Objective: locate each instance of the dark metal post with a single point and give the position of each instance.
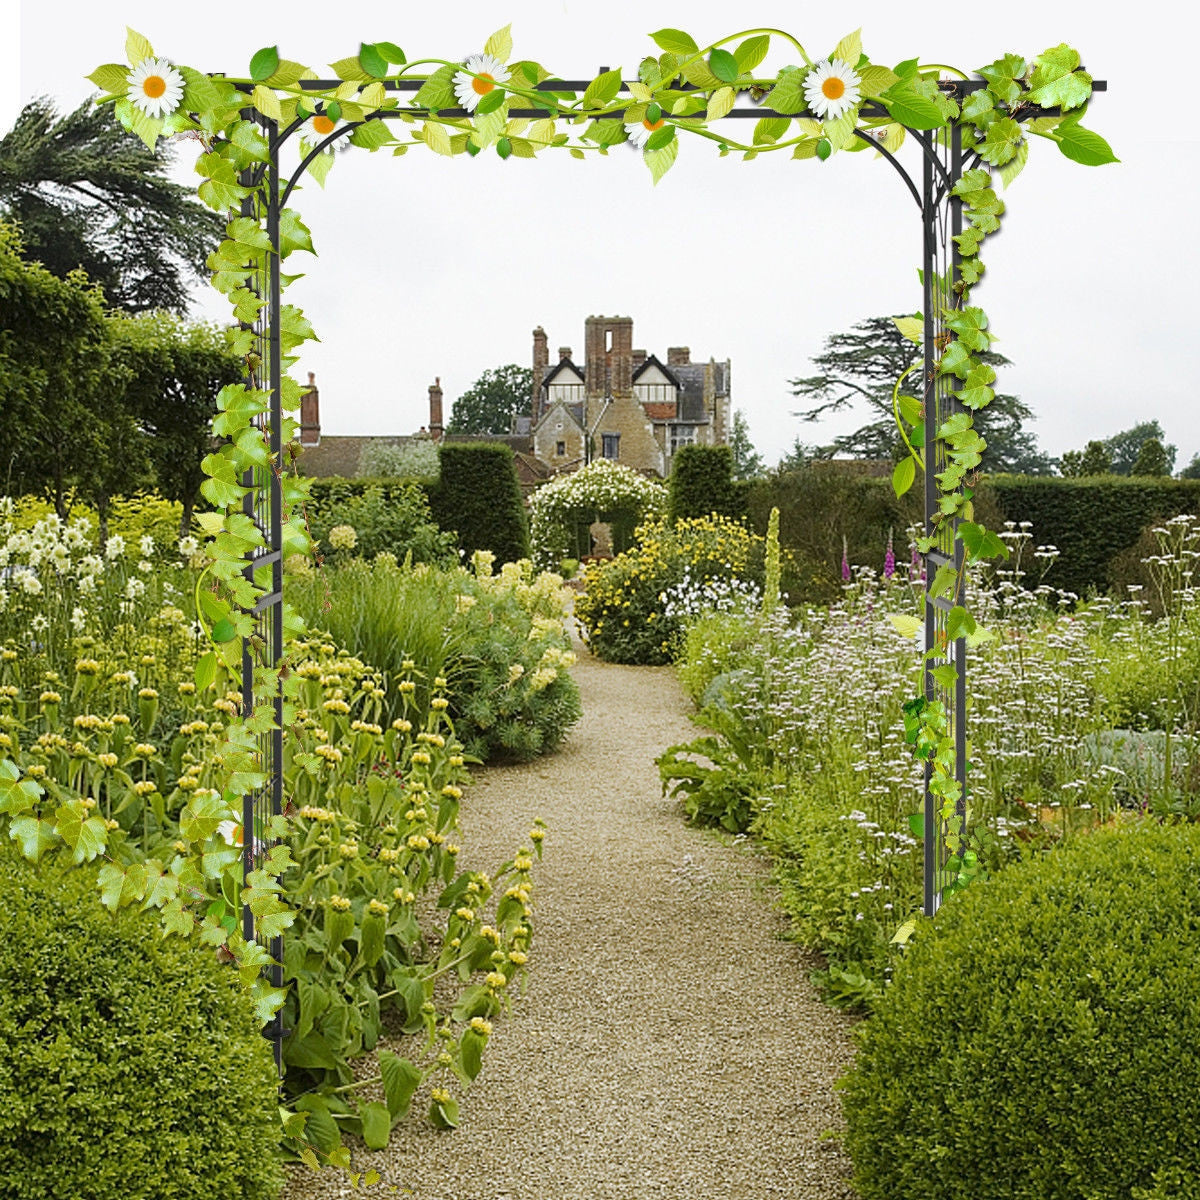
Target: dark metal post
(941, 215)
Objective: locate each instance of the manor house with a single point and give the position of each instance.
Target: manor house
(622, 404)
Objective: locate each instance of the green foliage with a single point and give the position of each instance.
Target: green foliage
(702, 482)
(1090, 521)
(1126, 445)
(493, 402)
(132, 1067)
(747, 462)
(860, 367)
(387, 517)
(479, 498)
(1078, 1009)
(1152, 460)
(88, 195)
(636, 608)
(1192, 470)
(417, 460)
(498, 640)
(1094, 459)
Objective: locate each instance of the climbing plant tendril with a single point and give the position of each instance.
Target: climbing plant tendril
(383, 101)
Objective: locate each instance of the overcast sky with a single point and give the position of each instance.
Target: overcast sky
(434, 267)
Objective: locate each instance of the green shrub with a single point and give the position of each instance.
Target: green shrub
(1039, 1043)
(1090, 521)
(131, 1067)
(391, 516)
(479, 497)
(702, 482)
(636, 607)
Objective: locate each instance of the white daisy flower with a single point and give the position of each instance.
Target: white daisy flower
(230, 832)
(486, 73)
(155, 87)
(639, 131)
(831, 89)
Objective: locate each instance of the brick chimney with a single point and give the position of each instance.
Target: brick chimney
(541, 360)
(564, 352)
(639, 357)
(678, 356)
(310, 414)
(435, 409)
(609, 356)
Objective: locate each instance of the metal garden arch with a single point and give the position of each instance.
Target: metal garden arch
(944, 158)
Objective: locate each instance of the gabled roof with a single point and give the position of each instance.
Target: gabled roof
(691, 383)
(650, 361)
(573, 413)
(563, 364)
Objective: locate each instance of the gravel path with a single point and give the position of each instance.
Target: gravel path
(669, 1046)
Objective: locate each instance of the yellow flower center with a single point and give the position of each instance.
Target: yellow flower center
(483, 83)
(833, 88)
(653, 125)
(154, 86)
(322, 124)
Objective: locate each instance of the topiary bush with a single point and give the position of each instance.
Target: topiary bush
(132, 1067)
(479, 497)
(1040, 1042)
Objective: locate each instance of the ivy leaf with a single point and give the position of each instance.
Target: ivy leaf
(908, 106)
(980, 542)
(956, 361)
(499, 45)
(959, 623)
(85, 835)
(293, 233)
(1003, 77)
(787, 96)
(979, 108)
(723, 65)
(751, 52)
(660, 138)
(16, 796)
(372, 61)
(662, 160)
(944, 581)
(137, 48)
(1056, 82)
(1015, 165)
(970, 324)
(675, 41)
(602, 90)
(720, 103)
(112, 77)
(34, 836)
(267, 102)
(437, 91)
(903, 475)
(875, 80)
(264, 64)
(1083, 146)
(1000, 141)
(849, 49)
(768, 130)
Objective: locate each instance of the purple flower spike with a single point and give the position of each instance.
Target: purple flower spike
(845, 562)
(889, 559)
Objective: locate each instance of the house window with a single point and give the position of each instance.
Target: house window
(560, 448)
(611, 445)
(682, 435)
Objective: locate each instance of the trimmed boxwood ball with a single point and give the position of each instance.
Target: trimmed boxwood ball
(1042, 1041)
(132, 1066)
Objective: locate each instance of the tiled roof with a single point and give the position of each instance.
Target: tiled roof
(338, 456)
(660, 410)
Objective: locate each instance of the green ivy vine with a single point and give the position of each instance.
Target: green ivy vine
(843, 103)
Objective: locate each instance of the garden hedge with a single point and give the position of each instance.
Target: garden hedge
(479, 497)
(132, 1067)
(702, 482)
(1092, 521)
(1042, 1040)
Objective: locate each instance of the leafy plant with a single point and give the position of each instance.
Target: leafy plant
(1026, 1026)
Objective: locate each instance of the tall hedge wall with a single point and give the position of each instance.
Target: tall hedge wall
(1093, 521)
(702, 482)
(1096, 523)
(479, 497)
